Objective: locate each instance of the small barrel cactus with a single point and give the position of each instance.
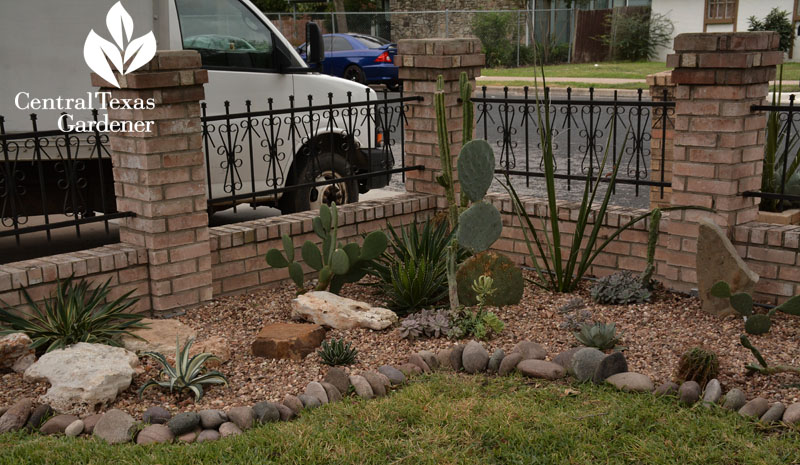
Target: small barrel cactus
(506, 277)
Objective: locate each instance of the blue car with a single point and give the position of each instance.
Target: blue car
(359, 57)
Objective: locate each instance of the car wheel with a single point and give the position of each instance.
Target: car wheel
(327, 167)
(394, 86)
(354, 73)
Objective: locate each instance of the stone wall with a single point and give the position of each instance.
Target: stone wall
(453, 24)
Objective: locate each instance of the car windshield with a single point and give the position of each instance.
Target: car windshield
(371, 42)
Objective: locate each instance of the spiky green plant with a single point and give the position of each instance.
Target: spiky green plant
(599, 335)
(697, 364)
(74, 313)
(337, 352)
(188, 374)
(742, 302)
(762, 366)
(480, 322)
(337, 264)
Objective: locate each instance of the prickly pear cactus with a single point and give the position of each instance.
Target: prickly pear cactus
(481, 224)
(507, 278)
(479, 227)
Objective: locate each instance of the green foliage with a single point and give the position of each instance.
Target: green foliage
(550, 51)
(494, 30)
(776, 20)
(478, 323)
(598, 335)
(415, 283)
(620, 288)
(652, 241)
(697, 364)
(506, 275)
(188, 374)
(74, 313)
(636, 36)
(742, 302)
(480, 225)
(762, 366)
(426, 323)
(337, 264)
(337, 352)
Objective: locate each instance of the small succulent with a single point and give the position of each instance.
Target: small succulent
(337, 352)
(427, 323)
(742, 302)
(574, 304)
(620, 288)
(697, 364)
(574, 321)
(188, 374)
(479, 323)
(599, 335)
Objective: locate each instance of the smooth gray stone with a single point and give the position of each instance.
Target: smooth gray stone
(610, 365)
(494, 361)
(338, 378)
(565, 358)
(362, 386)
(541, 369)
(309, 402)
(630, 381)
(57, 424)
(475, 357)
(330, 390)
(266, 412)
(286, 413)
(734, 400)
(529, 350)
(395, 376)
(792, 414)
(243, 417)
(211, 419)
(430, 359)
(774, 414)
(455, 357)
(713, 392)
(208, 435)
(509, 363)
(689, 392)
(115, 427)
(156, 415)
(155, 434)
(375, 382)
(668, 388)
(183, 423)
(755, 408)
(315, 389)
(75, 429)
(229, 429)
(416, 359)
(584, 363)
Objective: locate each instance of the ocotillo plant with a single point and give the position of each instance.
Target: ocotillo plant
(742, 302)
(337, 264)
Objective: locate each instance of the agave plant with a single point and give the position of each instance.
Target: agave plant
(74, 313)
(599, 335)
(188, 374)
(337, 352)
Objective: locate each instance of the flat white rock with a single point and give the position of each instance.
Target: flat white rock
(327, 309)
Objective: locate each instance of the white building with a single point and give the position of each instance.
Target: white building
(722, 16)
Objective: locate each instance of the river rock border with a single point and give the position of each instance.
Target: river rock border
(528, 358)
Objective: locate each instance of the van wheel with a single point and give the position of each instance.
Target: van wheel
(354, 73)
(329, 166)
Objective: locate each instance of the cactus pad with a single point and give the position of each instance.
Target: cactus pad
(508, 281)
(476, 169)
(742, 303)
(791, 306)
(479, 226)
(757, 324)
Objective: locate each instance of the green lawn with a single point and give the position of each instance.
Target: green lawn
(624, 70)
(475, 420)
(574, 85)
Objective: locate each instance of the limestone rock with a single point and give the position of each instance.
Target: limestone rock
(529, 350)
(734, 399)
(541, 369)
(160, 336)
(57, 424)
(23, 363)
(755, 408)
(115, 427)
(395, 376)
(13, 347)
(16, 416)
(717, 260)
(362, 386)
(475, 357)
(509, 363)
(155, 434)
(630, 381)
(585, 362)
(338, 378)
(293, 341)
(83, 374)
(74, 429)
(325, 308)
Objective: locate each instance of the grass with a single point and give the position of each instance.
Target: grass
(622, 70)
(475, 420)
(574, 85)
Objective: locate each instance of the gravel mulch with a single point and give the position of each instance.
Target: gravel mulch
(654, 334)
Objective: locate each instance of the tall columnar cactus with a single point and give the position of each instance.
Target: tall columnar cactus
(742, 302)
(655, 224)
(465, 90)
(337, 264)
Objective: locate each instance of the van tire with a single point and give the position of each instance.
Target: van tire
(329, 166)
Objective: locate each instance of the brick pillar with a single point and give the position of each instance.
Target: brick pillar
(661, 142)
(421, 61)
(719, 142)
(160, 176)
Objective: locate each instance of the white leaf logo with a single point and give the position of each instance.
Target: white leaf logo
(98, 52)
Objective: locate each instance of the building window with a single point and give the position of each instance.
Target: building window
(721, 11)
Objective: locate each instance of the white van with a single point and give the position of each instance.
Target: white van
(41, 48)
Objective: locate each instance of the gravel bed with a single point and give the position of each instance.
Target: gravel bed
(654, 335)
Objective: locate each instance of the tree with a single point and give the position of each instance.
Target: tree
(776, 20)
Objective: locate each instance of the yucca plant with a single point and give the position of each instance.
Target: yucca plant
(188, 374)
(74, 313)
(598, 335)
(337, 352)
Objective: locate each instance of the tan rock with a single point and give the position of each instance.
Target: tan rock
(213, 345)
(717, 260)
(288, 340)
(325, 308)
(160, 336)
(13, 347)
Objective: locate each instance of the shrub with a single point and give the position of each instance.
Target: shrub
(776, 20)
(337, 352)
(697, 364)
(426, 323)
(73, 314)
(637, 36)
(599, 335)
(188, 374)
(493, 30)
(620, 288)
(479, 323)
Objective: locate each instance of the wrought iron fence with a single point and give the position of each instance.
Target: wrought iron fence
(282, 157)
(782, 147)
(581, 129)
(63, 178)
